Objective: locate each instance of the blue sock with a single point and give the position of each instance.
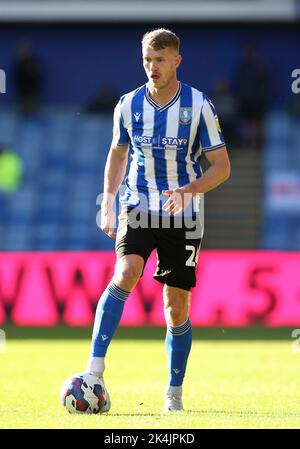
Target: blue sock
(108, 316)
(178, 345)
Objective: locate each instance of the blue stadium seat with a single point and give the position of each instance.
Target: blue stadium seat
(64, 155)
(281, 156)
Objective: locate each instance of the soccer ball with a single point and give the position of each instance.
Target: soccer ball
(83, 393)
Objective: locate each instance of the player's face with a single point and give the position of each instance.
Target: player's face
(160, 65)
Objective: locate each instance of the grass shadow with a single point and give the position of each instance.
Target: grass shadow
(147, 333)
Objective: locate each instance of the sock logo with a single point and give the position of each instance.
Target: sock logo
(176, 371)
(104, 337)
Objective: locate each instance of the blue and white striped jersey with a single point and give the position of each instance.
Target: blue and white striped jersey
(166, 142)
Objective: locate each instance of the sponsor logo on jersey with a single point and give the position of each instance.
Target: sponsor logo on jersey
(165, 141)
(143, 140)
(173, 141)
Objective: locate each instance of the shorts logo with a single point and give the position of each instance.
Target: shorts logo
(185, 116)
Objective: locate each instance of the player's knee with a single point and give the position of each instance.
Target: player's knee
(127, 276)
(175, 314)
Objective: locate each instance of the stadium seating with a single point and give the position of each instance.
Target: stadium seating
(281, 223)
(55, 207)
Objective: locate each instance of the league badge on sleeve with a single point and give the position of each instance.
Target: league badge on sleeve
(185, 116)
(218, 125)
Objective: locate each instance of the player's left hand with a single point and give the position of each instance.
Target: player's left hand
(178, 201)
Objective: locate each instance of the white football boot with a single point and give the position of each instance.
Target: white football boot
(173, 400)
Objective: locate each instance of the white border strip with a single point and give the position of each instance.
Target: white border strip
(145, 11)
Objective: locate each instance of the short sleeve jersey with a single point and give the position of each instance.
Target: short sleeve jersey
(166, 142)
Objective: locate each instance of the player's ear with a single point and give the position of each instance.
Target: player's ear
(178, 60)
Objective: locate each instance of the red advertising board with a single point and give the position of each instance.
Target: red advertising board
(234, 288)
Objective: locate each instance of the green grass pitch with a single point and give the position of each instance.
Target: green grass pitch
(235, 379)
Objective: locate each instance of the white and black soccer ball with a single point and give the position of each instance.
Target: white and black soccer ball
(83, 393)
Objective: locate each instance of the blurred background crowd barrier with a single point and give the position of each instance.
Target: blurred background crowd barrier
(66, 64)
(253, 288)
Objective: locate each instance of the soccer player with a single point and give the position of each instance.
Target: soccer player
(165, 126)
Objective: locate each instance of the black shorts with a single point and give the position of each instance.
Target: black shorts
(177, 242)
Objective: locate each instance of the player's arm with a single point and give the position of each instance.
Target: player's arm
(114, 173)
(216, 174)
(213, 145)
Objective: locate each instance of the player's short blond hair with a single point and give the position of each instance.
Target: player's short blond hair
(160, 39)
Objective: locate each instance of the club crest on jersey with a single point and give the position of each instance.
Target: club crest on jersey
(185, 116)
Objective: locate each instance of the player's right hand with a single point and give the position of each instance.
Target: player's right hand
(108, 221)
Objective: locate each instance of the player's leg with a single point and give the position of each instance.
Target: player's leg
(131, 257)
(178, 343)
(133, 247)
(109, 311)
(176, 268)
(110, 307)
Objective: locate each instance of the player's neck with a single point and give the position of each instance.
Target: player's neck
(165, 94)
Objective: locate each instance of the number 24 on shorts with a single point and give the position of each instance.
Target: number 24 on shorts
(193, 258)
